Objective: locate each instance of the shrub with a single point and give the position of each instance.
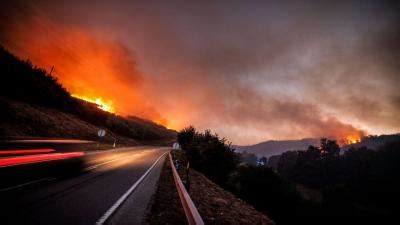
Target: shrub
(209, 154)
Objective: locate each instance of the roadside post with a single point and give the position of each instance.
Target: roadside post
(187, 183)
(176, 146)
(101, 133)
(115, 140)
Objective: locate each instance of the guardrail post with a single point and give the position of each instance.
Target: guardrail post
(187, 180)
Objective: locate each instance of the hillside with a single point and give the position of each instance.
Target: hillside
(270, 148)
(34, 104)
(25, 120)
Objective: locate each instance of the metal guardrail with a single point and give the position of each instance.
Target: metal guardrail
(192, 215)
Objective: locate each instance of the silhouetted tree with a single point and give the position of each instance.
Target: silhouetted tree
(329, 148)
(186, 137)
(209, 154)
(268, 192)
(248, 158)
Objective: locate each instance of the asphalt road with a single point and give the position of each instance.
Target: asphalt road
(91, 196)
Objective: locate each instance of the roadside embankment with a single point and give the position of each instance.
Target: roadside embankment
(215, 205)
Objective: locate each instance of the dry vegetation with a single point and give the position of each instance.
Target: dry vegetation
(24, 120)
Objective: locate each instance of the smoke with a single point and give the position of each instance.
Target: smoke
(249, 71)
(85, 64)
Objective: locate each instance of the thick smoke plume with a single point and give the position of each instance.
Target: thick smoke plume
(251, 71)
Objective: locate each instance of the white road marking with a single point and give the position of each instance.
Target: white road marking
(122, 149)
(26, 184)
(107, 162)
(104, 163)
(121, 200)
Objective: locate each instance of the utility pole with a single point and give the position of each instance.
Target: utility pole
(52, 68)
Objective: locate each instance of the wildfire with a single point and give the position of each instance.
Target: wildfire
(353, 139)
(101, 104)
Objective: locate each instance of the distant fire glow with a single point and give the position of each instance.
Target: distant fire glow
(353, 139)
(101, 104)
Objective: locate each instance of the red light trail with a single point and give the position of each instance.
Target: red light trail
(26, 151)
(12, 161)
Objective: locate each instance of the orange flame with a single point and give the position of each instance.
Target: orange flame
(352, 139)
(93, 68)
(101, 104)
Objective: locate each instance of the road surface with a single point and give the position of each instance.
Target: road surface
(106, 193)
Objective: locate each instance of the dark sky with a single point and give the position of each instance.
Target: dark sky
(248, 70)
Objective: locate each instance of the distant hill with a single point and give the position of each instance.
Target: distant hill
(34, 104)
(270, 148)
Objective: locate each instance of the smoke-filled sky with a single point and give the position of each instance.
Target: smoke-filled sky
(248, 70)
